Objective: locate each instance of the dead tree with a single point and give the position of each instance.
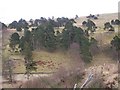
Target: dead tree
(90, 77)
(8, 70)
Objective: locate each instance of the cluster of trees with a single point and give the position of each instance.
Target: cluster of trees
(21, 24)
(25, 44)
(90, 26)
(115, 22)
(108, 26)
(43, 37)
(116, 44)
(92, 16)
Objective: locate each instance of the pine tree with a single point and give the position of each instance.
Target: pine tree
(29, 63)
(14, 40)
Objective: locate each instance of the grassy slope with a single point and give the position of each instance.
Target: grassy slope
(52, 61)
(104, 38)
(102, 19)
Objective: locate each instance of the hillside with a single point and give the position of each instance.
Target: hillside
(103, 59)
(66, 63)
(102, 18)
